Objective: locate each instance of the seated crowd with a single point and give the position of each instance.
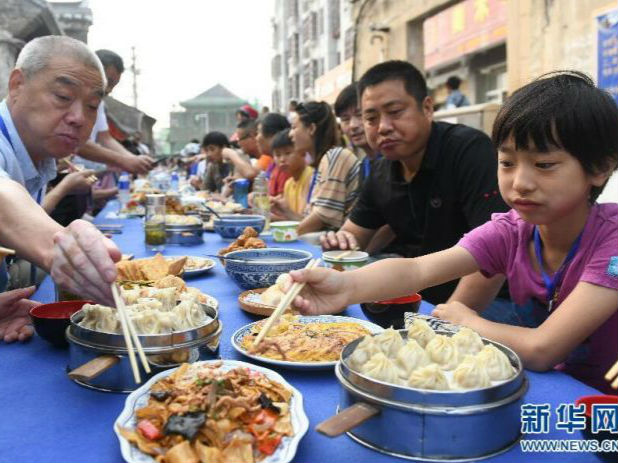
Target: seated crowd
(469, 213)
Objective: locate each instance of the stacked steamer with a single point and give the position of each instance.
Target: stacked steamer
(449, 395)
(175, 324)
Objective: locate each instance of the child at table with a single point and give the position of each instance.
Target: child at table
(291, 205)
(557, 140)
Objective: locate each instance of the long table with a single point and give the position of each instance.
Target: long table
(45, 417)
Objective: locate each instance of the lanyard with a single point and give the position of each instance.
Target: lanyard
(312, 185)
(5, 132)
(551, 284)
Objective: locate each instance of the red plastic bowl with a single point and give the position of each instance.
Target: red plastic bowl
(51, 320)
(588, 401)
(391, 312)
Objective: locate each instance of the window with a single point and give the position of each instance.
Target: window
(320, 22)
(275, 35)
(313, 25)
(294, 48)
(293, 8)
(276, 67)
(348, 43)
(276, 100)
(307, 75)
(335, 18)
(306, 29)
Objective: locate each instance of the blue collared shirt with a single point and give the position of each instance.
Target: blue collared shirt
(16, 164)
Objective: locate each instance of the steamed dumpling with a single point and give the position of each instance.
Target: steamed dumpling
(428, 377)
(363, 352)
(188, 315)
(389, 341)
(471, 374)
(496, 363)
(131, 296)
(149, 303)
(272, 296)
(381, 368)
(167, 297)
(468, 342)
(146, 321)
(100, 318)
(443, 351)
(410, 357)
(421, 332)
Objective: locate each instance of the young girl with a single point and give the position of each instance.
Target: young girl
(334, 187)
(557, 139)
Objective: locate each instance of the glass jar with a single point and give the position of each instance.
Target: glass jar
(154, 222)
(261, 202)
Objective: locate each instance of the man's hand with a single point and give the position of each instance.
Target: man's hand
(454, 312)
(325, 291)
(83, 261)
(137, 164)
(14, 314)
(338, 240)
(77, 182)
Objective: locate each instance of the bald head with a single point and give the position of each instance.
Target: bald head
(37, 54)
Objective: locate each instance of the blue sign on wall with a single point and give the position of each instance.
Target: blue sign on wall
(607, 70)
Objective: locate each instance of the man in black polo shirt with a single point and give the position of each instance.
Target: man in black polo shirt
(436, 181)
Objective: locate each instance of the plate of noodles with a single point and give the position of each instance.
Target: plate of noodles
(304, 342)
(219, 410)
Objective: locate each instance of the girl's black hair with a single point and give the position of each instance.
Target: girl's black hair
(326, 132)
(563, 110)
(215, 138)
(281, 140)
(272, 123)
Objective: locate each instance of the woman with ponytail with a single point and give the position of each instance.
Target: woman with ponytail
(334, 187)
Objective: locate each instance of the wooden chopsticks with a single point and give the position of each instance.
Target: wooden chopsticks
(285, 302)
(612, 373)
(7, 251)
(346, 253)
(92, 178)
(130, 335)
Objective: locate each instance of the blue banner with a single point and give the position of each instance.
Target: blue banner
(607, 58)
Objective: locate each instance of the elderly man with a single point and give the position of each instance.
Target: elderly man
(102, 147)
(54, 94)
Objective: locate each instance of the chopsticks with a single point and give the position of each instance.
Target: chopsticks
(612, 373)
(345, 253)
(285, 302)
(92, 178)
(128, 330)
(7, 251)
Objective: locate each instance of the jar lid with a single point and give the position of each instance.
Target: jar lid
(155, 199)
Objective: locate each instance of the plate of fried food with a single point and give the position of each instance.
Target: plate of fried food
(213, 411)
(194, 265)
(148, 269)
(247, 240)
(303, 342)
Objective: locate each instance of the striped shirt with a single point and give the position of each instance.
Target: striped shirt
(336, 187)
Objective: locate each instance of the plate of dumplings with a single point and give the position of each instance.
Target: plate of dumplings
(423, 358)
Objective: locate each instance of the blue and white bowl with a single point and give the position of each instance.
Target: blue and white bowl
(259, 268)
(231, 226)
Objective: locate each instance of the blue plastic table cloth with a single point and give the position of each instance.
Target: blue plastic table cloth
(45, 417)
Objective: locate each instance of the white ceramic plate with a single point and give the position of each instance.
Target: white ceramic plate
(209, 264)
(139, 398)
(242, 332)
